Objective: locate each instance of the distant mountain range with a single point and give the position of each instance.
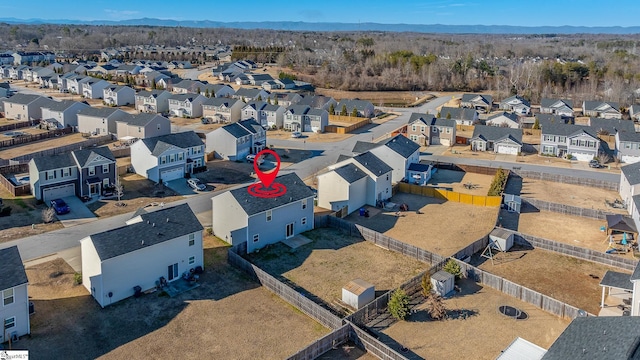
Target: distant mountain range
(327, 26)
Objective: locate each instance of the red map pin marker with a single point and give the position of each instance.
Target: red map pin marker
(266, 178)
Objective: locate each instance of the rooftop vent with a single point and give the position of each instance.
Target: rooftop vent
(142, 242)
(167, 219)
(154, 225)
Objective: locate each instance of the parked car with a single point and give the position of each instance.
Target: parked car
(251, 158)
(595, 164)
(60, 206)
(296, 134)
(195, 184)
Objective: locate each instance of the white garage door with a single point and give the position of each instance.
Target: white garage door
(582, 156)
(630, 159)
(172, 174)
(445, 142)
(58, 192)
(509, 150)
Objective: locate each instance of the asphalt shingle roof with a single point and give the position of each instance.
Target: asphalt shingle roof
(159, 144)
(350, 173)
(598, 338)
(98, 112)
(468, 97)
(425, 118)
(458, 113)
(217, 102)
(363, 146)
(373, 163)
(566, 129)
(44, 163)
(546, 102)
(495, 133)
(402, 145)
(85, 156)
(298, 109)
(419, 167)
(23, 99)
(184, 97)
(251, 125)
(129, 238)
(11, 268)
(617, 279)
(61, 105)
(152, 93)
(140, 119)
(316, 101)
(592, 105)
(296, 190)
(632, 173)
(236, 130)
(247, 92)
(612, 125)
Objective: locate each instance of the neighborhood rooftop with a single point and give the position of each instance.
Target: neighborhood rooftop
(11, 268)
(295, 187)
(350, 173)
(160, 144)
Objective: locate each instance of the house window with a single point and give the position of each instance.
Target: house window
(92, 170)
(7, 297)
(422, 128)
(163, 159)
(105, 168)
(158, 126)
(304, 204)
(192, 239)
(387, 177)
(9, 322)
(172, 271)
(303, 221)
(66, 172)
(192, 260)
(413, 128)
(448, 130)
(105, 182)
(180, 156)
(435, 129)
(269, 215)
(256, 238)
(139, 129)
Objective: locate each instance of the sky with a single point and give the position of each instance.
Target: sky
(448, 12)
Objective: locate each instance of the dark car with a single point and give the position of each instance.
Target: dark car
(60, 206)
(595, 164)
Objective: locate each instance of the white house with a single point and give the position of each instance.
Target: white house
(379, 175)
(399, 153)
(345, 186)
(65, 112)
(118, 95)
(99, 121)
(166, 243)
(186, 105)
(93, 88)
(14, 309)
(236, 140)
(154, 101)
(504, 119)
(241, 218)
(222, 109)
(168, 157)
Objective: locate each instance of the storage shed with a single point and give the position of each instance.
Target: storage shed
(442, 282)
(512, 203)
(358, 293)
(501, 239)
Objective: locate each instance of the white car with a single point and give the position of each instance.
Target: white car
(195, 184)
(251, 158)
(296, 134)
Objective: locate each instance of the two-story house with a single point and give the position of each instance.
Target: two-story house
(186, 105)
(240, 218)
(187, 87)
(217, 90)
(286, 99)
(14, 299)
(249, 94)
(25, 107)
(399, 153)
(363, 108)
(630, 190)
(561, 140)
(128, 260)
(304, 118)
(253, 110)
(142, 126)
(154, 101)
(267, 115)
(118, 95)
(516, 104)
(479, 102)
(74, 83)
(378, 172)
(462, 116)
(223, 110)
(317, 102)
(504, 119)
(84, 172)
(93, 88)
(64, 112)
(343, 187)
(99, 121)
(168, 157)
(560, 107)
(500, 140)
(628, 147)
(16, 72)
(235, 141)
(607, 110)
(258, 79)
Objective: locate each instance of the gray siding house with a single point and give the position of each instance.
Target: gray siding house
(560, 107)
(500, 140)
(186, 105)
(236, 140)
(118, 95)
(607, 110)
(581, 142)
(154, 101)
(462, 116)
(240, 218)
(479, 102)
(363, 107)
(99, 121)
(14, 296)
(25, 107)
(64, 112)
(222, 109)
(516, 104)
(304, 118)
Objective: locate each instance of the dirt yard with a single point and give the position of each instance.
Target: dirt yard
(568, 194)
(27, 130)
(322, 267)
(483, 334)
(25, 218)
(227, 317)
(574, 230)
(456, 181)
(307, 137)
(441, 227)
(32, 147)
(138, 192)
(564, 278)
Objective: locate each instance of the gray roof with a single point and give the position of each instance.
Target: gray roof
(11, 268)
(516, 97)
(566, 129)
(485, 98)
(98, 112)
(592, 105)
(361, 105)
(316, 112)
(510, 116)
(85, 156)
(598, 338)
(23, 99)
(261, 77)
(363, 146)
(551, 118)
(315, 101)
(191, 85)
(546, 102)
(152, 93)
(444, 122)
(402, 145)
(419, 167)
(159, 144)
(496, 133)
(62, 105)
(251, 125)
(298, 109)
(183, 97)
(247, 92)
(271, 107)
(617, 280)
(52, 162)
(140, 119)
(632, 173)
(612, 125)
(427, 119)
(350, 173)
(137, 236)
(236, 130)
(458, 113)
(621, 222)
(629, 136)
(296, 191)
(256, 105)
(501, 233)
(343, 157)
(373, 163)
(220, 102)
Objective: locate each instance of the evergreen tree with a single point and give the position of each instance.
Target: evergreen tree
(354, 113)
(332, 109)
(343, 112)
(448, 116)
(536, 124)
(153, 84)
(259, 97)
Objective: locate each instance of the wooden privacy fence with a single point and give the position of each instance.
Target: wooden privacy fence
(313, 310)
(520, 292)
(567, 179)
(373, 345)
(346, 118)
(566, 209)
(323, 345)
(63, 149)
(465, 127)
(442, 194)
(17, 125)
(35, 137)
(15, 190)
(337, 129)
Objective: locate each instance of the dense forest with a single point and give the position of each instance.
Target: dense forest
(580, 67)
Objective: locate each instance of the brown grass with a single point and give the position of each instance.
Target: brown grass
(569, 194)
(33, 147)
(25, 219)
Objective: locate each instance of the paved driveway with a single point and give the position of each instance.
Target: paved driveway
(79, 213)
(180, 186)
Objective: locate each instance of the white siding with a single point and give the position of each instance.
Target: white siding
(228, 217)
(143, 162)
(19, 309)
(333, 191)
(91, 269)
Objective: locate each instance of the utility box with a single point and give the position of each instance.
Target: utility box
(358, 293)
(443, 282)
(501, 239)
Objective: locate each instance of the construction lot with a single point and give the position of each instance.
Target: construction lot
(227, 317)
(482, 334)
(442, 227)
(321, 268)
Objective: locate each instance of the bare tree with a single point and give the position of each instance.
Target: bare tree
(48, 215)
(435, 307)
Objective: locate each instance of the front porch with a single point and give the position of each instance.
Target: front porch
(617, 292)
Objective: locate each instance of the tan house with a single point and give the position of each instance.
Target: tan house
(25, 107)
(224, 110)
(425, 130)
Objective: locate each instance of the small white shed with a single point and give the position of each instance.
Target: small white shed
(501, 239)
(443, 282)
(512, 203)
(358, 293)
